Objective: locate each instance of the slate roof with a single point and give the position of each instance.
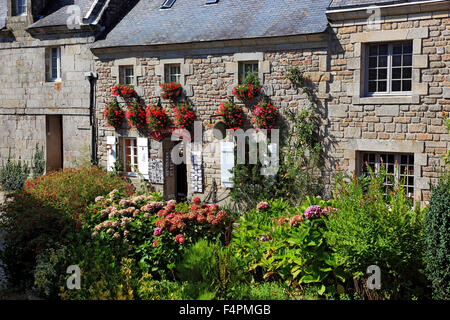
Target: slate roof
(337, 4)
(57, 15)
(3, 13)
(193, 21)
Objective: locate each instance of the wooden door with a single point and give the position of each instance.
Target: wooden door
(54, 143)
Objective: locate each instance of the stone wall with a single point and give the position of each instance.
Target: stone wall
(411, 124)
(26, 96)
(208, 76)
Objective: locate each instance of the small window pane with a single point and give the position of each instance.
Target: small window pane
(396, 73)
(382, 74)
(397, 61)
(382, 62)
(407, 73)
(372, 86)
(373, 50)
(382, 85)
(372, 74)
(407, 48)
(407, 60)
(396, 85)
(406, 85)
(397, 49)
(373, 62)
(383, 49)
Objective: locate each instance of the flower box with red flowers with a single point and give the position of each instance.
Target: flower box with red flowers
(123, 91)
(156, 117)
(246, 91)
(170, 91)
(184, 116)
(232, 114)
(114, 116)
(136, 115)
(265, 115)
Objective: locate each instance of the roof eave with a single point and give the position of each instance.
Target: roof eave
(352, 13)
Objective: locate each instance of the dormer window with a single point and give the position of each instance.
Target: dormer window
(21, 7)
(168, 4)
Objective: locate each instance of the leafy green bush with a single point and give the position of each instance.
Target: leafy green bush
(437, 239)
(251, 78)
(261, 291)
(38, 162)
(284, 243)
(375, 225)
(13, 175)
(47, 213)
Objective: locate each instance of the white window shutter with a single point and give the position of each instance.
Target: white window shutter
(142, 147)
(227, 163)
(111, 142)
(196, 172)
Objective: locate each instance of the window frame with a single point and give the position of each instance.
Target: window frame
(398, 176)
(169, 74)
(23, 5)
(58, 64)
(133, 155)
(123, 75)
(242, 73)
(389, 91)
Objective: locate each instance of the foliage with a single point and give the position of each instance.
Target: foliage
(156, 117)
(265, 115)
(265, 290)
(114, 115)
(170, 90)
(437, 239)
(136, 115)
(13, 175)
(155, 232)
(246, 91)
(446, 157)
(232, 114)
(123, 91)
(47, 213)
(150, 289)
(375, 225)
(281, 244)
(38, 162)
(299, 164)
(184, 115)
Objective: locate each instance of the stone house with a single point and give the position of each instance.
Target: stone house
(381, 75)
(47, 77)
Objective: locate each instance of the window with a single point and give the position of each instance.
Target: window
(168, 4)
(389, 68)
(173, 73)
(129, 155)
(21, 7)
(399, 166)
(126, 75)
(55, 64)
(245, 68)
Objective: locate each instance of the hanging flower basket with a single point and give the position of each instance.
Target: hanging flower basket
(232, 114)
(123, 91)
(136, 115)
(246, 91)
(170, 91)
(114, 116)
(156, 117)
(184, 116)
(265, 115)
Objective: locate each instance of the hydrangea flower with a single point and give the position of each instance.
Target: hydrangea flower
(313, 212)
(262, 206)
(157, 232)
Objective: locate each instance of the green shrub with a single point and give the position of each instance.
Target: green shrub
(375, 225)
(47, 213)
(280, 243)
(150, 289)
(13, 175)
(38, 162)
(261, 291)
(437, 239)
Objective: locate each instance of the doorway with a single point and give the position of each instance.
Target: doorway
(54, 143)
(175, 176)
